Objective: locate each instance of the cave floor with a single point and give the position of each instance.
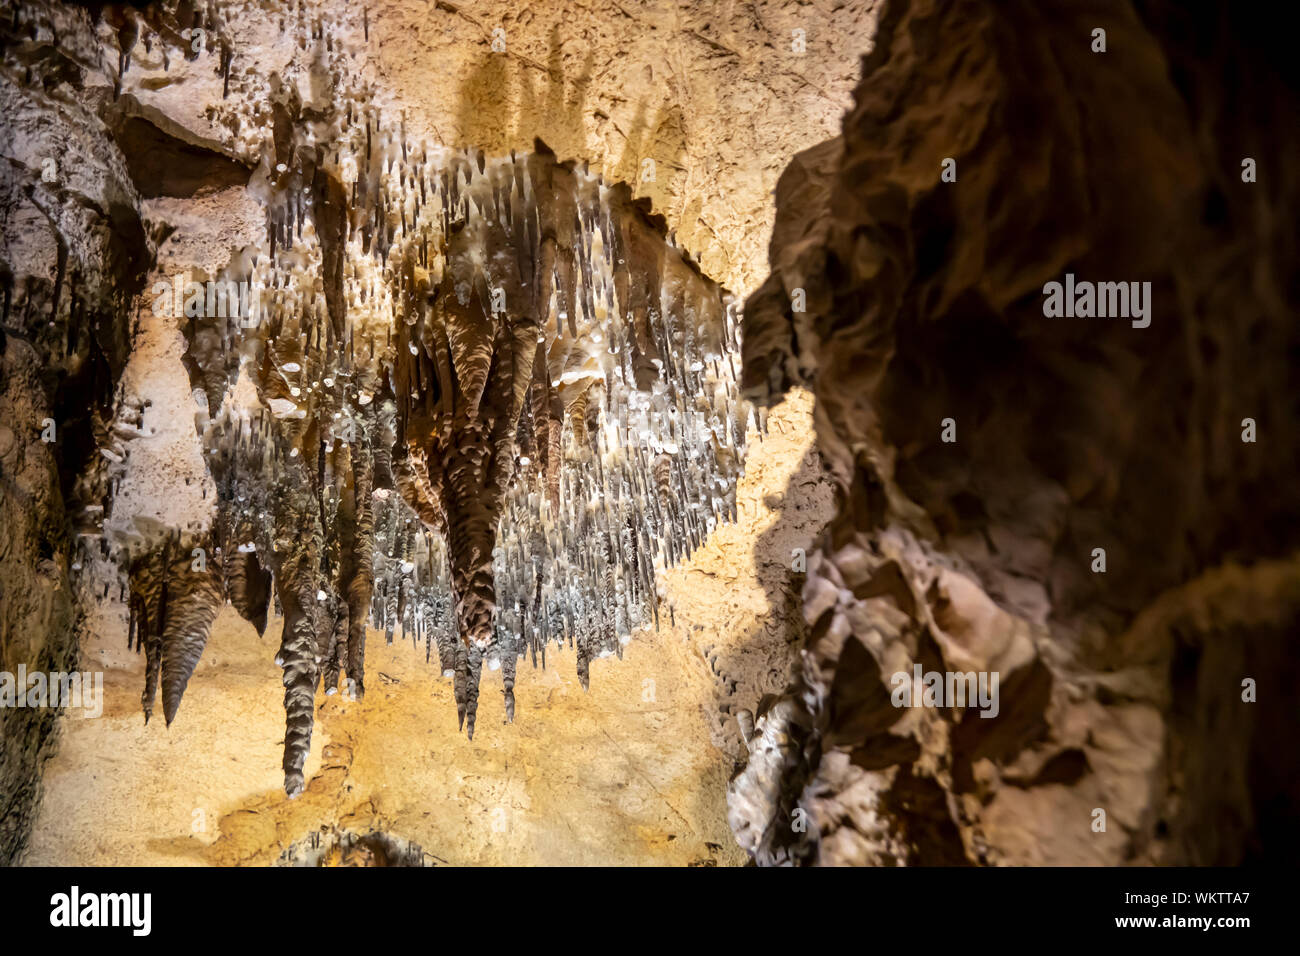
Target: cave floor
(632, 772)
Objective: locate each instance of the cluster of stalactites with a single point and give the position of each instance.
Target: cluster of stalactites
(641, 486)
(628, 430)
(477, 402)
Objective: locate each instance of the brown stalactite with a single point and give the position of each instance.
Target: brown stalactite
(193, 599)
(297, 576)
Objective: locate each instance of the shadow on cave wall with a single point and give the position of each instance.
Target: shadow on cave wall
(763, 661)
(506, 100)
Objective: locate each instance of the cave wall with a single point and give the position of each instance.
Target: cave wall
(1120, 691)
(74, 255)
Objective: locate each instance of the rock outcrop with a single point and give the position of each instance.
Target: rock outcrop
(75, 253)
(1096, 510)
